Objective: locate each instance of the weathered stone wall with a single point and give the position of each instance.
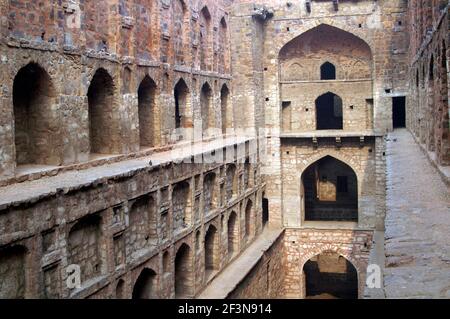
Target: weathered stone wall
(118, 226)
(303, 244)
(428, 99)
(129, 43)
(266, 278)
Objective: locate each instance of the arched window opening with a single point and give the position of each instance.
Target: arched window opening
(327, 71)
(329, 114)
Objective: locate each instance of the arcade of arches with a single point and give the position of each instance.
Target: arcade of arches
(132, 150)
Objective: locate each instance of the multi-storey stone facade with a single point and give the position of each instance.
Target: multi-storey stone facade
(112, 111)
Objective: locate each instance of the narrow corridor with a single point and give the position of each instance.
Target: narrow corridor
(417, 223)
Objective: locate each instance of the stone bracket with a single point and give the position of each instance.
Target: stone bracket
(361, 141)
(315, 142)
(338, 142)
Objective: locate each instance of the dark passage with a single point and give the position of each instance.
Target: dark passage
(329, 112)
(330, 276)
(265, 213)
(399, 112)
(330, 191)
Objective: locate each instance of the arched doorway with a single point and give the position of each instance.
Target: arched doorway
(207, 109)
(329, 191)
(232, 235)
(146, 285)
(36, 134)
(182, 105)
(146, 113)
(211, 252)
(248, 221)
(183, 273)
(330, 276)
(101, 107)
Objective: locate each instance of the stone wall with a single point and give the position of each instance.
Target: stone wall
(303, 244)
(266, 278)
(96, 64)
(428, 99)
(125, 231)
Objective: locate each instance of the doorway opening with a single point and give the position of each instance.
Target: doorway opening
(399, 112)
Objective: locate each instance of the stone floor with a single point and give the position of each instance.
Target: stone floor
(417, 238)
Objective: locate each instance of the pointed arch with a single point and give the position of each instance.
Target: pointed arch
(330, 275)
(37, 138)
(248, 220)
(326, 41)
(224, 49)
(233, 234)
(329, 191)
(327, 71)
(146, 286)
(183, 272)
(101, 113)
(147, 113)
(179, 24)
(183, 109)
(205, 35)
(226, 109)
(211, 251)
(207, 107)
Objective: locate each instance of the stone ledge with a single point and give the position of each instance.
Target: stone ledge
(329, 133)
(65, 182)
